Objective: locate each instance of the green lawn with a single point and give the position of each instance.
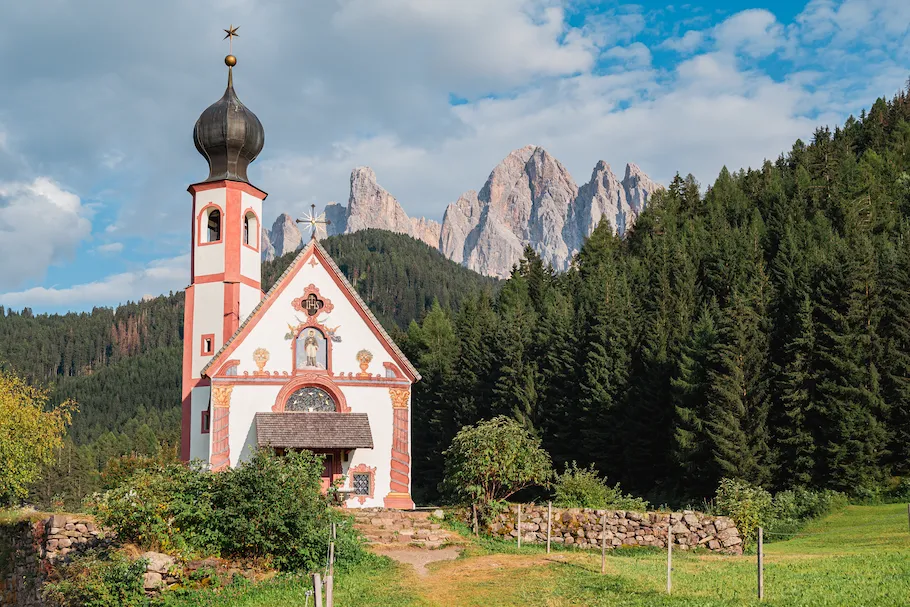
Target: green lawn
(860, 556)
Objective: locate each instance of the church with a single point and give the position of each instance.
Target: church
(305, 365)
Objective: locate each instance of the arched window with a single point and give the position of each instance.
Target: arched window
(250, 230)
(214, 226)
(310, 399)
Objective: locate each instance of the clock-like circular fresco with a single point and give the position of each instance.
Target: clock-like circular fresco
(310, 399)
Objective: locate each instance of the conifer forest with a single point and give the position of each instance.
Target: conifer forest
(757, 327)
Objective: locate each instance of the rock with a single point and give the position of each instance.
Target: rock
(151, 580)
(731, 541)
(158, 562)
(690, 519)
(679, 528)
(285, 237)
(529, 198)
(439, 514)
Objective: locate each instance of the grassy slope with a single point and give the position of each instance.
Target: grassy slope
(860, 556)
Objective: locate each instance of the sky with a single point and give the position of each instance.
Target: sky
(99, 97)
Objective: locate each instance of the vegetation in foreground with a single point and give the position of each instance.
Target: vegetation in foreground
(857, 556)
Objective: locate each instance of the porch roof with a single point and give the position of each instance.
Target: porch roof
(314, 430)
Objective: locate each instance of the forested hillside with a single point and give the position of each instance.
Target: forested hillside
(122, 366)
(759, 331)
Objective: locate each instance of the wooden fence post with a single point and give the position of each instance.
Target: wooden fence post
(761, 563)
(317, 587)
(474, 511)
(550, 518)
(330, 590)
(669, 556)
(603, 544)
(519, 525)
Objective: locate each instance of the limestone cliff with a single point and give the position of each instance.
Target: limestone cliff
(528, 199)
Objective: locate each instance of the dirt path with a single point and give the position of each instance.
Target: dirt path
(419, 558)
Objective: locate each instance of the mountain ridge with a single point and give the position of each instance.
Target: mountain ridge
(529, 198)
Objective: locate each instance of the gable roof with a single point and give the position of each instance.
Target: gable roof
(266, 302)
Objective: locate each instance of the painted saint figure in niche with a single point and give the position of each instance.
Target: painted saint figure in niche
(311, 349)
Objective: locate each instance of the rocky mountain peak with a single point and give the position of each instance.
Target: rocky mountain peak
(528, 198)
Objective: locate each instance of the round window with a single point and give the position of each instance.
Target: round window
(310, 399)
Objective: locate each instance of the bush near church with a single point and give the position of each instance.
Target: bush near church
(585, 488)
(269, 508)
(493, 460)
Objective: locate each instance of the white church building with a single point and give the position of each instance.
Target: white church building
(305, 365)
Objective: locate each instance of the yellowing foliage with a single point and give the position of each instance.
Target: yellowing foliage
(30, 434)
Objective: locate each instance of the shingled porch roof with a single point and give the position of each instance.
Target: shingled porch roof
(314, 430)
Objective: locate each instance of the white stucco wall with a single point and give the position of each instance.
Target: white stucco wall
(271, 328)
(209, 258)
(251, 395)
(249, 299)
(200, 444)
(208, 317)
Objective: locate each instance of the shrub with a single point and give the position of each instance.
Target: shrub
(273, 507)
(585, 488)
(901, 491)
(98, 579)
(493, 460)
(749, 506)
(31, 433)
(163, 508)
(801, 504)
(269, 507)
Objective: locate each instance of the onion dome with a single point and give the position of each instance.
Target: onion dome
(228, 135)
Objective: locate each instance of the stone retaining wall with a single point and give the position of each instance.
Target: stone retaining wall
(28, 550)
(583, 527)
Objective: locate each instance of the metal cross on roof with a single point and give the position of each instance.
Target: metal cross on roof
(317, 224)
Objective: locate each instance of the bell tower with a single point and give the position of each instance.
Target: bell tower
(225, 260)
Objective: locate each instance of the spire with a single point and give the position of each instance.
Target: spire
(228, 135)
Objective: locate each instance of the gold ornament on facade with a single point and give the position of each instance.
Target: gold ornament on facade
(260, 357)
(364, 357)
(399, 397)
(221, 395)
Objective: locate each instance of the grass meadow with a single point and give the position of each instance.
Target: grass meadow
(858, 556)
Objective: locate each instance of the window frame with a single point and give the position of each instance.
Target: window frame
(202, 225)
(244, 229)
(202, 350)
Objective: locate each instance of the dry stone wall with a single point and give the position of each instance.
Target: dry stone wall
(29, 549)
(584, 528)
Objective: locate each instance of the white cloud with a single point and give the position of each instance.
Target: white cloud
(40, 224)
(634, 56)
(687, 43)
(110, 248)
(161, 276)
(368, 82)
(754, 32)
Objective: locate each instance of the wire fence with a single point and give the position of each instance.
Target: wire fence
(760, 552)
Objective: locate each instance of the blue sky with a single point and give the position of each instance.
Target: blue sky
(100, 97)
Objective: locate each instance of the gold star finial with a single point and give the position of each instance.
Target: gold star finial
(231, 32)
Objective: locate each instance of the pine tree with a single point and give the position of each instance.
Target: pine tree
(691, 385)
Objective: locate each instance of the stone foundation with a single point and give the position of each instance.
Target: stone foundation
(584, 528)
